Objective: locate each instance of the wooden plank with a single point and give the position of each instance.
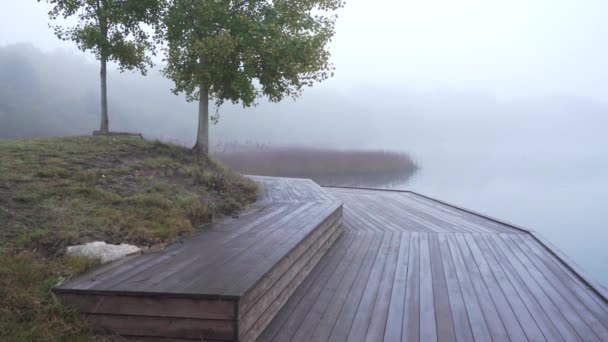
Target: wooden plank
(557, 317)
(266, 237)
(470, 222)
(507, 316)
(211, 241)
(165, 270)
(586, 295)
(184, 328)
(162, 339)
(462, 327)
(411, 310)
(581, 274)
(269, 264)
(443, 222)
(351, 219)
(256, 329)
(491, 316)
(364, 219)
(381, 285)
(288, 261)
(441, 300)
(348, 226)
(345, 244)
(283, 253)
(168, 273)
(428, 324)
(562, 286)
(349, 309)
(511, 226)
(394, 319)
(152, 306)
(218, 271)
(409, 219)
(438, 223)
(400, 217)
(562, 301)
(479, 325)
(526, 320)
(362, 317)
(392, 216)
(379, 315)
(313, 317)
(331, 314)
(544, 322)
(291, 325)
(85, 280)
(257, 308)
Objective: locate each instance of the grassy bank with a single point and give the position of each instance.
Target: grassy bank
(64, 191)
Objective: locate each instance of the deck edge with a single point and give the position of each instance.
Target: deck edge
(585, 277)
(60, 291)
(561, 256)
(338, 209)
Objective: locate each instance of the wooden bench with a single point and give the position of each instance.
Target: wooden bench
(223, 284)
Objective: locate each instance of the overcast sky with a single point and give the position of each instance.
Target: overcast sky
(505, 48)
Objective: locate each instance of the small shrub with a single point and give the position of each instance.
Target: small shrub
(197, 211)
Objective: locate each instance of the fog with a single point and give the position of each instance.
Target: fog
(502, 104)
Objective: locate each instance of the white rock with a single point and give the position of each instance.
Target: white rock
(103, 251)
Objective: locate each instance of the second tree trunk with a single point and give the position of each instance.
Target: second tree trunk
(202, 135)
(104, 125)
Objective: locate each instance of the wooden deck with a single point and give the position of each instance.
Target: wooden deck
(225, 283)
(409, 268)
(307, 263)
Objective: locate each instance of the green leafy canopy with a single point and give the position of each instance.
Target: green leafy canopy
(244, 49)
(113, 30)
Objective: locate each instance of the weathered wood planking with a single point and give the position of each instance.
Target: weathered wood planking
(426, 270)
(224, 283)
(406, 268)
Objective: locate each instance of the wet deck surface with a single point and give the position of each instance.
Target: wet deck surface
(226, 259)
(408, 268)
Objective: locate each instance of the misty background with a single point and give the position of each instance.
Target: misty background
(502, 104)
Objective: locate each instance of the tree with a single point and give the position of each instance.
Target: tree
(114, 30)
(238, 51)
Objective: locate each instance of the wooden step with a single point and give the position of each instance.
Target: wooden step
(258, 306)
(224, 284)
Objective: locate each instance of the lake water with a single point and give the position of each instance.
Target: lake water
(564, 199)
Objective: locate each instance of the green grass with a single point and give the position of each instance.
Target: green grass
(64, 191)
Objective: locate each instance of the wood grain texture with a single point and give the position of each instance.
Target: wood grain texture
(153, 306)
(336, 264)
(224, 283)
(184, 328)
(430, 271)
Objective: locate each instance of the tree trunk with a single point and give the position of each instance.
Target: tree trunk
(104, 125)
(202, 135)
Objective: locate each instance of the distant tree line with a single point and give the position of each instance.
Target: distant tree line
(223, 50)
